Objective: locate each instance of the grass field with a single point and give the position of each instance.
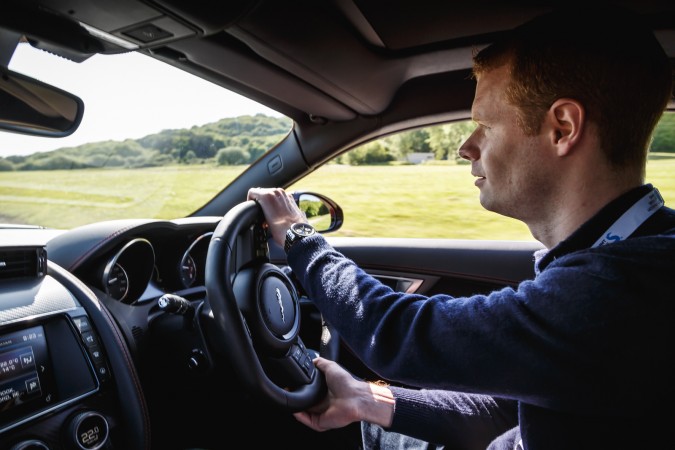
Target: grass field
(64, 199)
(383, 201)
(430, 201)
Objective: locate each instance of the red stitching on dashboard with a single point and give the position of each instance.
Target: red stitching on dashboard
(98, 245)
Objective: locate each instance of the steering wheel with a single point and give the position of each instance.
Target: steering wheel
(257, 313)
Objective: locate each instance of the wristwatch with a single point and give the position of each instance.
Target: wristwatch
(296, 232)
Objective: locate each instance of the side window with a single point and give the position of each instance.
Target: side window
(413, 184)
(661, 159)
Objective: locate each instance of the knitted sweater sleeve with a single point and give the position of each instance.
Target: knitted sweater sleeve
(468, 421)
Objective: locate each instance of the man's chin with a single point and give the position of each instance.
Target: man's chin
(484, 199)
(488, 202)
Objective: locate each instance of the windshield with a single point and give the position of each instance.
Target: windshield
(154, 142)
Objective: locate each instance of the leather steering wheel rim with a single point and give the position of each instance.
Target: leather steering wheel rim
(239, 280)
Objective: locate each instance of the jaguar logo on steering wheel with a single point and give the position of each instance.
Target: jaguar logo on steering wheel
(281, 305)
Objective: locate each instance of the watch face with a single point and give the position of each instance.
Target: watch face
(302, 229)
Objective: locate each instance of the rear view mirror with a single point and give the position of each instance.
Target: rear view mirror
(32, 107)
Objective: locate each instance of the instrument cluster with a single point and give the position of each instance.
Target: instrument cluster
(154, 265)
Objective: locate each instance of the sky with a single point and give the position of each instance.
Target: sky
(111, 113)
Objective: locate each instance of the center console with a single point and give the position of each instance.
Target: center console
(54, 374)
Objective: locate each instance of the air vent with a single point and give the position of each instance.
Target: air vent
(137, 332)
(22, 262)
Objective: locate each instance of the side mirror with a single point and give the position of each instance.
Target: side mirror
(322, 212)
(32, 107)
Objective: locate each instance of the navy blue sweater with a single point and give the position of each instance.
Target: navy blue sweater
(585, 350)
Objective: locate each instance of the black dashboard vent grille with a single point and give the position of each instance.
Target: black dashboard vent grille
(22, 262)
(137, 332)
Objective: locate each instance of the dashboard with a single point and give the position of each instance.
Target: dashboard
(56, 384)
(106, 333)
(133, 262)
(65, 360)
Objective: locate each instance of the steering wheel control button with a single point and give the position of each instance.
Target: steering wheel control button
(296, 232)
(308, 366)
(301, 356)
(89, 430)
(296, 353)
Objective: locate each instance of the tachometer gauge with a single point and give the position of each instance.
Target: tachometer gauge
(188, 271)
(191, 268)
(116, 282)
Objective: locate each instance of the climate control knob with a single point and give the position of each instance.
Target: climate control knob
(88, 431)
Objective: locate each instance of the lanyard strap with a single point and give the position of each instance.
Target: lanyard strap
(632, 219)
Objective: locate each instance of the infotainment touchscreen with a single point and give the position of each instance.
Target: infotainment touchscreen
(25, 378)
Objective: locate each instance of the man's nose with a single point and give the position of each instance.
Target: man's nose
(468, 151)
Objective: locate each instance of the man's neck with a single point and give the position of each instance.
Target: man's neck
(574, 207)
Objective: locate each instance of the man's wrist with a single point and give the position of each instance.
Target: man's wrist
(378, 405)
(297, 232)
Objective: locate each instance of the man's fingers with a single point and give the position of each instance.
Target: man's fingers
(303, 418)
(321, 362)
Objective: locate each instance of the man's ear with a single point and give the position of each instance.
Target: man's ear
(566, 118)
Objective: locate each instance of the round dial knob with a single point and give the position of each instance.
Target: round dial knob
(88, 430)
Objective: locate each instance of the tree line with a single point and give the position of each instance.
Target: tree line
(241, 140)
(237, 140)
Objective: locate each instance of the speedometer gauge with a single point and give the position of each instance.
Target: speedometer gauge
(117, 282)
(128, 271)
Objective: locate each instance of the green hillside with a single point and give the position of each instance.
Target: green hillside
(238, 140)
